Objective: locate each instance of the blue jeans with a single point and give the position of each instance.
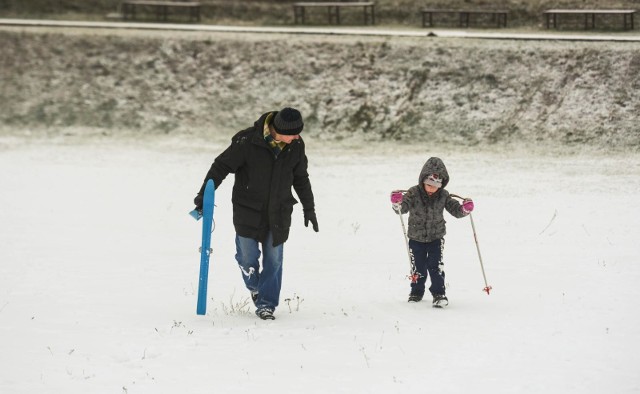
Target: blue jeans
(428, 259)
(268, 281)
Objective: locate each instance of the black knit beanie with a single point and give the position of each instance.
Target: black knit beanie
(288, 122)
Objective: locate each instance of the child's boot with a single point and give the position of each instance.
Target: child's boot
(440, 301)
(415, 297)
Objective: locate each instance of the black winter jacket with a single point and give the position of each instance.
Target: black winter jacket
(262, 198)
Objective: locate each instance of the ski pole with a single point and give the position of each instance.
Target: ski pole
(412, 267)
(487, 287)
(406, 243)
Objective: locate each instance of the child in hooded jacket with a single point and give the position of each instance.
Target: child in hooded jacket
(425, 204)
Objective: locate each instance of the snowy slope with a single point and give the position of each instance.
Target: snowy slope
(99, 267)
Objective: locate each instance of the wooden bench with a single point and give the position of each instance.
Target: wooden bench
(161, 8)
(589, 17)
(333, 10)
(499, 17)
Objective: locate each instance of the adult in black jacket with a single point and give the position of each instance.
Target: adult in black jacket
(267, 160)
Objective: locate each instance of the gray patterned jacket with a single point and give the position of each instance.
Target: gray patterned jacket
(426, 219)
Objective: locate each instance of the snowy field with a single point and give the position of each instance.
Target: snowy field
(99, 267)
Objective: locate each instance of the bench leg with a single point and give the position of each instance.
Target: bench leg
(129, 9)
(499, 19)
(627, 25)
(586, 21)
(298, 15)
(464, 19)
(194, 14)
(333, 12)
(370, 14)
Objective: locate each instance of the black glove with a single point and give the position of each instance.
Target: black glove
(310, 216)
(198, 202)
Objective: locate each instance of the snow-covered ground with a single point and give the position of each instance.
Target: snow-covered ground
(99, 266)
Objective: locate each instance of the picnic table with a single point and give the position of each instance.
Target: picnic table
(333, 10)
(498, 17)
(551, 17)
(161, 8)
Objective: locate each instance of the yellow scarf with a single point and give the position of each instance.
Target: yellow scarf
(277, 146)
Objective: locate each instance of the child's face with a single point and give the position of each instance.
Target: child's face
(430, 189)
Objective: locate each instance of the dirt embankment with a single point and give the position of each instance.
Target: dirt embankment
(445, 90)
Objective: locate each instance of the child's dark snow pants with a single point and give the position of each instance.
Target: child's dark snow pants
(428, 262)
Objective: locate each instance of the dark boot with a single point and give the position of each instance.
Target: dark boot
(413, 297)
(440, 301)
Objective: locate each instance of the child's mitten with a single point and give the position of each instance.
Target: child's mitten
(396, 197)
(467, 206)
